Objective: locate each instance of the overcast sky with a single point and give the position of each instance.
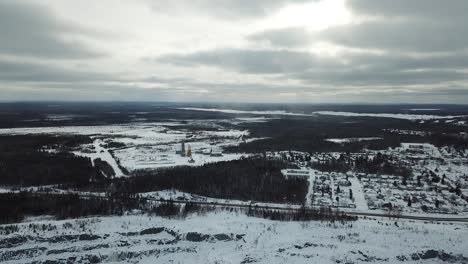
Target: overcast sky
(319, 51)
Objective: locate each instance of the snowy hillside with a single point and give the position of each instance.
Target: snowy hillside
(229, 238)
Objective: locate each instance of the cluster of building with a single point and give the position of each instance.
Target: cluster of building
(438, 184)
(217, 152)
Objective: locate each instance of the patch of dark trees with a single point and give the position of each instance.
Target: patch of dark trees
(303, 214)
(438, 139)
(378, 164)
(172, 210)
(16, 206)
(104, 167)
(90, 113)
(25, 162)
(255, 179)
(310, 134)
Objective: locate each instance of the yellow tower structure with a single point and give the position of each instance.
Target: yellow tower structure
(189, 152)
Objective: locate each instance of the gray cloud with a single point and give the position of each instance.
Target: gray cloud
(285, 37)
(250, 61)
(32, 30)
(370, 77)
(39, 72)
(363, 69)
(405, 26)
(387, 35)
(225, 9)
(428, 9)
(399, 62)
(422, 44)
(398, 26)
(400, 35)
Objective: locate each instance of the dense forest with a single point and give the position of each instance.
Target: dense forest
(15, 206)
(246, 179)
(24, 161)
(309, 135)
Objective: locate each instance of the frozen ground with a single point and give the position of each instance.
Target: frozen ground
(347, 140)
(397, 116)
(103, 154)
(232, 238)
(232, 111)
(154, 145)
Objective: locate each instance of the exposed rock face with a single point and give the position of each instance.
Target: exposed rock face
(55, 247)
(434, 254)
(152, 231)
(196, 237)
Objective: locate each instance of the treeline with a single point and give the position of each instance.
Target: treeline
(25, 162)
(16, 206)
(309, 135)
(104, 167)
(255, 179)
(321, 214)
(378, 164)
(439, 139)
(312, 144)
(172, 210)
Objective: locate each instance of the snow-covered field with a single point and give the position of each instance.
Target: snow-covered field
(337, 113)
(397, 116)
(347, 140)
(153, 145)
(232, 111)
(103, 154)
(224, 237)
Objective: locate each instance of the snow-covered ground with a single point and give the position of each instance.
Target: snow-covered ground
(103, 154)
(310, 192)
(224, 237)
(232, 111)
(175, 195)
(153, 145)
(425, 109)
(397, 116)
(358, 194)
(347, 140)
(145, 158)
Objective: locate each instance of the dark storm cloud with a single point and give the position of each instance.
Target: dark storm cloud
(250, 61)
(32, 30)
(225, 9)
